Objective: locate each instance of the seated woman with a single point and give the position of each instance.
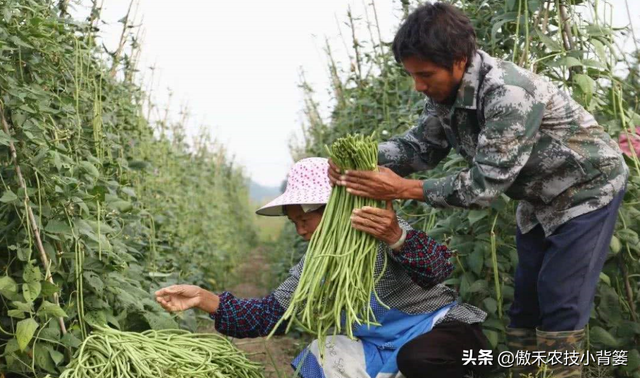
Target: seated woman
(423, 333)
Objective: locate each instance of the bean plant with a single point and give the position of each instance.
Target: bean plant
(100, 203)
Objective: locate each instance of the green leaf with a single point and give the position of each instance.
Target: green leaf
(42, 356)
(599, 335)
(70, 340)
(534, 5)
(479, 285)
(548, 42)
(633, 362)
(628, 236)
(593, 64)
(615, 246)
(94, 281)
(24, 332)
(24, 254)
(12, 346)
(465, 283)
(628, 327)
(96, 318)
(129, 301)
(570, 61)
(476, 259)
(50, 251)
(85, 229)
(52, 332)
(94, 302)
(492, 336)
(598, 30)
(604, 278)
(90, 169)
(586, 85)
(114, 321)
(56, 356)
(609, 306)
(452, 282)
(51, 309)
(129, 191)
(18, 314)
(19, 42)
(160, 321)
(120, 205)
(8, 287)
(8, 14)
(476, 215)
(600, 51)
(507, 292)
(5, 139)
(31, 274)
(58, 227)
(48, 289)
(138, 165)
(491, 305)
(99, 192)
(22, 306)
(495, 323)
(104, 227)
(8, 197)
(31, 290)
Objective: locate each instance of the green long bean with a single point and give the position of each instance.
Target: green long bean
(109, 353)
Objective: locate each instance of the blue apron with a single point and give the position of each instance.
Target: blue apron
(380, 344)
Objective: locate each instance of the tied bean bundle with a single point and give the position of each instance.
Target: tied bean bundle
(338, 276)
(108, 353)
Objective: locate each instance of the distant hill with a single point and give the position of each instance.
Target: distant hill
(262, 194)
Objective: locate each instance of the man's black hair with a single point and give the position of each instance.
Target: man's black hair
(439, 33)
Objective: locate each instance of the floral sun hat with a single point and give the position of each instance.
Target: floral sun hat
(307, 185)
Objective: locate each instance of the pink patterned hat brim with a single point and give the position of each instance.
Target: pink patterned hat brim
(307, 183)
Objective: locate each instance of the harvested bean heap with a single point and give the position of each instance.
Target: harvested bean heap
(109, 353)
(337, 279)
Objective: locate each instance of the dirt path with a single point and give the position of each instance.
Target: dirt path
(278, 352)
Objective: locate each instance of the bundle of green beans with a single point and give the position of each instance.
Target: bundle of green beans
(337, 279)
(109, 353)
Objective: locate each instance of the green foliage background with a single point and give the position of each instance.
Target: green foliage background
(123, 205)
(570, 42)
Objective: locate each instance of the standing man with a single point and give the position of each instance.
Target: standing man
(521, 136)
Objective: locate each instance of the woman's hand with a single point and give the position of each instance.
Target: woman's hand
(382, 224)
(183, 297)
(334, 173)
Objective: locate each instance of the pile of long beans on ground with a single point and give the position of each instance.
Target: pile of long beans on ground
(109, 353)
(337, 279)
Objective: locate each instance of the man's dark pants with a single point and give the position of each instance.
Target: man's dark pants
(556, 277)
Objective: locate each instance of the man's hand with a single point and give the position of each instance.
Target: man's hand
(183, 297)
(382, 224)
(383, 185)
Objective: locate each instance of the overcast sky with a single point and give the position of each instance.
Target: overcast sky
(236, 64)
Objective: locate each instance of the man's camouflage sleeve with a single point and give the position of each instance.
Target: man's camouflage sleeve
(512, 118)
(419, 149)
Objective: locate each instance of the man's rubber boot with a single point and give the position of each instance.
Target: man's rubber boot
(522, 339)
(564, 341)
